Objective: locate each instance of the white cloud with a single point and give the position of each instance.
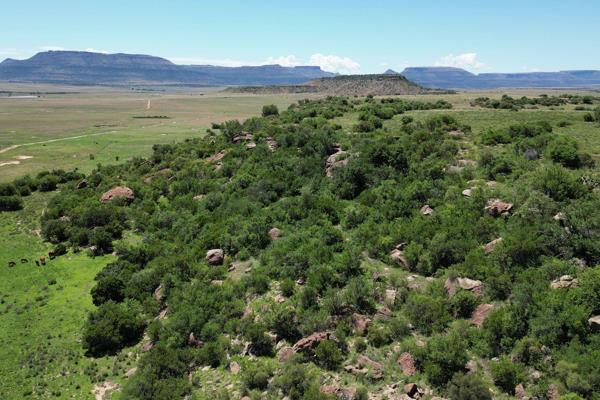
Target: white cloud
(52, 48)
(467, 61)
(284, 61)
(92, 50)
(331, 63)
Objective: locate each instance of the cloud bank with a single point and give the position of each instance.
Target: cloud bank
(466, 61)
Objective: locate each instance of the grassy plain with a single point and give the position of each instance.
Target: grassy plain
(42, 309)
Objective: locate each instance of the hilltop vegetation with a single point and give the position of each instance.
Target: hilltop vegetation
(346, 261)
(345, 85)
(341, 247)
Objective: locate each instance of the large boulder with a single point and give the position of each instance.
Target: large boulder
(497, 207)
(451, 286)
(489, 247)
(118, 192)
(565, 281)
(397, 255)
(407, 363)
(215, 256)
(480, 314)
(594, 323)
(426, 210)
(361, 323)
(285, 353)
(308, 343)
(274, 233)
(333, 161)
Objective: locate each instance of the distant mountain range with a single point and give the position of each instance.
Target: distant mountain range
(85, 68)
(456, 78)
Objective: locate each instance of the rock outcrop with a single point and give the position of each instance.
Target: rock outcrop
(215, 256)
(565, 281)
(497, 207)
(480, 314)
(118, 192)
(451, 286)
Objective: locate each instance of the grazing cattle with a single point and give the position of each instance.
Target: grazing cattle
(42, 260)
(24, 260)
(11, 264)
(37, 263)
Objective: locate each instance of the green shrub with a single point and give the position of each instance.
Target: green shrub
(256, 375)
(564, 151)
(507, 374)
(328, 355)
(269, 110)
(10, 203)
(468, 387)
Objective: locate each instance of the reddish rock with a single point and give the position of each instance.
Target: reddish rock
(274, 233)
(497, 207)
(147, 346)
(361, 323)
(329, 389)
(480, 314)
(383, 313)
(489, 247)
(250, 145)
(407, 362)
(118, 192)
(347, 394)
(217, 157)
(520, 391)
(375, 367)
(308, 343)
(215, 256)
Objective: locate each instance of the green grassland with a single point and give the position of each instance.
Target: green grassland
(43, 309)
(63, 130)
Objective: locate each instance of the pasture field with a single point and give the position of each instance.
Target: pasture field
(43, 309)
(79, 129)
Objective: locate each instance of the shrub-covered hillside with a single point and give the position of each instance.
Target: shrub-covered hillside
(288, 257)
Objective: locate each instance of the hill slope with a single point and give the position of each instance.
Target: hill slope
(85, 68)
(456, 78)
(345, 85)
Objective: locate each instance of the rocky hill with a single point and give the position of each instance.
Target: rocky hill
(345, 85)
(85, 68)
(456, 78)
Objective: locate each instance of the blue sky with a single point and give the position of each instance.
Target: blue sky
(342, 36)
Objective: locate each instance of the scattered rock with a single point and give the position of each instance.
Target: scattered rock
(271, 143)
(466, 163)
(274, 233)
(480, 314)
(565, 281)
(489, 247)
(192, 341)
(361, 323)
(553, 393)
(329, 389)
(407, 363)
(467, 192)
(285, 353)
(390, 296)
(243, 137)
(217, 157)
(397, 255)
(594, 323)
(250, 145)
(217, 282)
(147, 346)
(102, 390)
(215, 256)
(279, 298)
(471, 366)
(453, 169)
(118, 192)
(130, 372)
(456, 133)
(333, 162)
(234, 368)
(308, 343)
(426, 210)
(346, 394)
(383, 313)
(198, 197)
(158, 293)
(497, 207)
(451, 286)
(520, 391)
(411, 389)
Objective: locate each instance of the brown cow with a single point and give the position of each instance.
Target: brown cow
(42, 260)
